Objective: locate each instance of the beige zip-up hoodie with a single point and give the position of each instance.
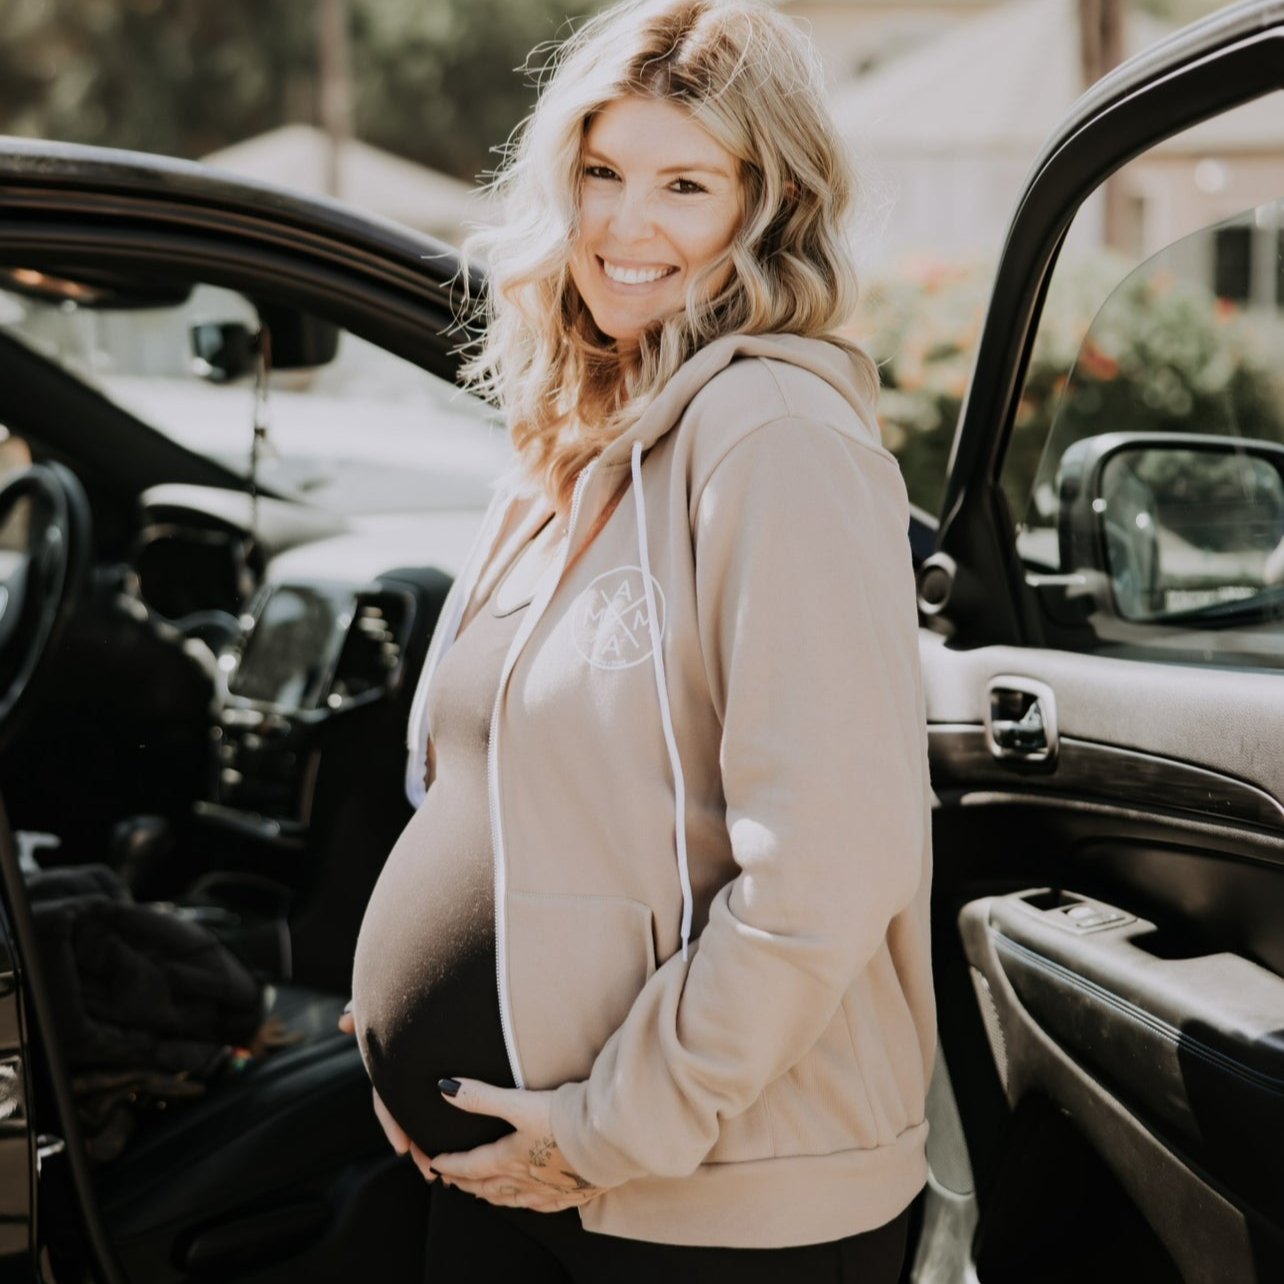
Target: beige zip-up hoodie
(710, 813)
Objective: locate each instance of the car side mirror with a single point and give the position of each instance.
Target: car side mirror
(1163, 524)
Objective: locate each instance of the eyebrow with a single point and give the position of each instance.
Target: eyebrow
(718, 171)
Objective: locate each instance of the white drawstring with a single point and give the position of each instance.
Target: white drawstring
(662, 691)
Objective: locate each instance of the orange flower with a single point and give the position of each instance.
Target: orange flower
(1096, 364)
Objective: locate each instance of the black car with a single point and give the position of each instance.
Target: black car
(238, 481)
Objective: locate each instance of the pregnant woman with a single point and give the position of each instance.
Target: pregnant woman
(645, 983)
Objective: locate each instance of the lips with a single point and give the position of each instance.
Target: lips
(622, 275)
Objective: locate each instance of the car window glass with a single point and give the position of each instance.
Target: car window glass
(362, 432)
(1145, 471)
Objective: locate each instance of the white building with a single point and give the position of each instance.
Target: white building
(947, 134)
(299, 156)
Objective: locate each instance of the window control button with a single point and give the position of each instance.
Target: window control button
(1100, 918)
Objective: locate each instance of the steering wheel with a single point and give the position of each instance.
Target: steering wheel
(45, 537)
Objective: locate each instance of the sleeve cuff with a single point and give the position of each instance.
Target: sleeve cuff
(592, 1157)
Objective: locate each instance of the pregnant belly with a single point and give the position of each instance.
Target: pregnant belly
(424, 989)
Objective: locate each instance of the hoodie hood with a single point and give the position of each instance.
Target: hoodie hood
(842, 364)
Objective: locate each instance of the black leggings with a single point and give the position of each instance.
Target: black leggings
(471, 1240)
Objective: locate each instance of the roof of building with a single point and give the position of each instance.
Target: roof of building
(370, 178)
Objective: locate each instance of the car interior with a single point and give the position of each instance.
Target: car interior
(209, 661)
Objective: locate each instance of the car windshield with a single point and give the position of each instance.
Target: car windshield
(365, 433)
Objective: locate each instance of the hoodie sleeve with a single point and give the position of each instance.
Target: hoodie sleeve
(809, 630)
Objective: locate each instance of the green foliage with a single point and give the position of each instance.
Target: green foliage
(176, 76)
(921, 321)
(440, 82)
(1162, 353)
(433, 80)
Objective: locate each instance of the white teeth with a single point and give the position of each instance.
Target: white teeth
(634, 276)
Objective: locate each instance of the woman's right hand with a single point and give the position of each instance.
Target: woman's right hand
(395, 1133)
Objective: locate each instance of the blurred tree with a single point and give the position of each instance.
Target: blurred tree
(440, 83)
(434, 80)
(178, 76)
(1117, 347)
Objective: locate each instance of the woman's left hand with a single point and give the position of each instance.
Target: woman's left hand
(522, 1170)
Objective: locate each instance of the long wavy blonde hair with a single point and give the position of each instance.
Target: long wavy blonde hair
(751, 79)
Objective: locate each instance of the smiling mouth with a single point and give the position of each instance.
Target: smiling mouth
(634, 276)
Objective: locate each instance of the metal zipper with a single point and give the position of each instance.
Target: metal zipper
(534, 611)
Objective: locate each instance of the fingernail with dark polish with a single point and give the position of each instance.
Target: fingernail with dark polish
(449, 1086)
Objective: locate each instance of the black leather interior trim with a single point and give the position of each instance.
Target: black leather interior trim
(1191, 1040)
(960, 757)
(252, 1136)
(1131, 1012)
(1211, 1233)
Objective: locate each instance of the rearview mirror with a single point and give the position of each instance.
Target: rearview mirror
(226, 350)
(223, 350)
(1161, 524)
(300, 341)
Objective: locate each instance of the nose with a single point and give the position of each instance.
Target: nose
(631, 217)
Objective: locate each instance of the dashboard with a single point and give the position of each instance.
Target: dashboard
(309, 653)
(309, 623)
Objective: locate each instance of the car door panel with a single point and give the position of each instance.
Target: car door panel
(1159, 1034)
(1088, 768)
(1193, 1042)
(1210, 1234)
(1226, 722)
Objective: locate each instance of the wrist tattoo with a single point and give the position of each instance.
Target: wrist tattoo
(541, 1152)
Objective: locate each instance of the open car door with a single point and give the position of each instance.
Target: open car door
(1103, 643)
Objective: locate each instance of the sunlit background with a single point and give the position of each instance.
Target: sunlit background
(398, 107)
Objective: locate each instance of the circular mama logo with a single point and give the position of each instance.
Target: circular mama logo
(610, 622)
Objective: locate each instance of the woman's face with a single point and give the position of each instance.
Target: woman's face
(659, 199)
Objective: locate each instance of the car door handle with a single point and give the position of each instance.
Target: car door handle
(1020, 720)
(1027, 734)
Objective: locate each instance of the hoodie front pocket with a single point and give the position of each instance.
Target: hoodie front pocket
(575, 966)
